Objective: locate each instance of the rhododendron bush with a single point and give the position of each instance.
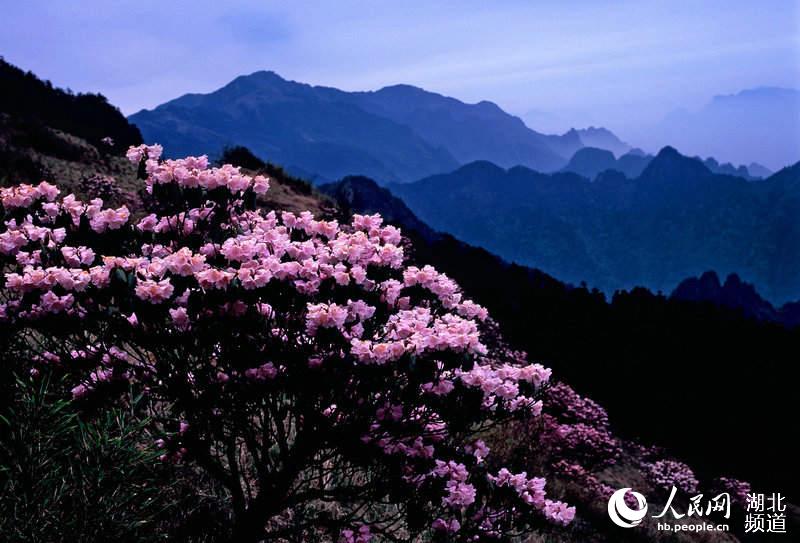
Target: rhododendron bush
(334, 392)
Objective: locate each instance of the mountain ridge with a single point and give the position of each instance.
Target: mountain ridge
(592, 161)
(397, 133)
(676, 219)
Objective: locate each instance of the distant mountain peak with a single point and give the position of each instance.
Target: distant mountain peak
(264, 74)
(573, 136)
(669, 165)
(736, 294)
(403, 88)
(669, 152)
(710, 280)
(260, 76)
(480, 167)
(262, 81)
(602, 138)
(590, 162)
(759, 170)
(597, 130)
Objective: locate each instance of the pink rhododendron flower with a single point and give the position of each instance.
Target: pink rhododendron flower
(154, 291)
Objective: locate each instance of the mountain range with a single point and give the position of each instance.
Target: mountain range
(590, 161)
(396, 134)
(402, 133)
(674, 220)
(584, 206)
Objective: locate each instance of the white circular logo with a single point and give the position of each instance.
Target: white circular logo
(622, 515)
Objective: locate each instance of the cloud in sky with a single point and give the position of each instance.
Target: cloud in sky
(618, 63)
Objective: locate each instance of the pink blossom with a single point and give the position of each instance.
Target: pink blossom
(154, 291)
(260, 184)
(325, 316)
(180, 318)
(559, 512)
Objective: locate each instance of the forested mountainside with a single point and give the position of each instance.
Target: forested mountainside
(668, 370)
(675, 220)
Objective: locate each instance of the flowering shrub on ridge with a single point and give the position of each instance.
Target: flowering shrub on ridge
(331, 390)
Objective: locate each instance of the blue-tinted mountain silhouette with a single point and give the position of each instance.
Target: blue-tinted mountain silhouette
(677, 219)
(316, 129)
(735, 294)
(590, 162)
(398, 133)
(602, 138)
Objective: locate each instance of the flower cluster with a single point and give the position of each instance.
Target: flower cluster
(586, 480)
(668, 473)
(531, 490)
(23, 196)
(576, 429)
(738, 490)
(502, 384)
(273, 339)
(360, 535)
(574, 408)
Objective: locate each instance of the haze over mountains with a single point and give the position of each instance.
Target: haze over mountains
(677, 219)
(755, 125)
(602, 138)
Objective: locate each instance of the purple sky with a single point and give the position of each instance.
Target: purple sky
(557, 64)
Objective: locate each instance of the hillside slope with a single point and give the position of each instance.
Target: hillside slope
(631, 353)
